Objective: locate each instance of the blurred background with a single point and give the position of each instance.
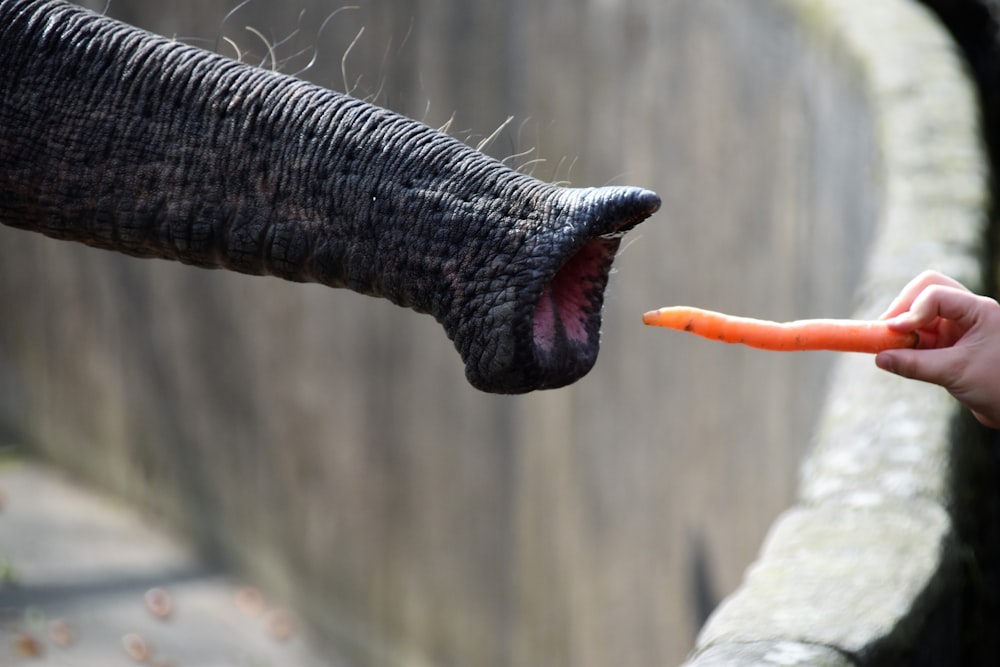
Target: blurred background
(327, 445)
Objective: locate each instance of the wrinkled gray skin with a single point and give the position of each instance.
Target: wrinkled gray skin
(127, 141)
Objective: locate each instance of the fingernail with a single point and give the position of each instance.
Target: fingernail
(901, 322)
(884, 360)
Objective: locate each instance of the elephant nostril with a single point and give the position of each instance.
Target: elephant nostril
(568, 311)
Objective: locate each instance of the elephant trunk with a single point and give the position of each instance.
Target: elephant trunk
(123, 140)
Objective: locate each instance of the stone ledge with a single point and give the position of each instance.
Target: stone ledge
(862, 580)
(880, 439)
(778, 654)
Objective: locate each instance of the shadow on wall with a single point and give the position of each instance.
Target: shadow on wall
(702, 593)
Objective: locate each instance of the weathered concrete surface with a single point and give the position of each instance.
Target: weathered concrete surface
(848, 578)
(73, 559)
(869, 563)
(772, 654)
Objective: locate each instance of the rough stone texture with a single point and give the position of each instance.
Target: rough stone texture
(881, 439)
(776, 654)
(843, 577)
(868, 562)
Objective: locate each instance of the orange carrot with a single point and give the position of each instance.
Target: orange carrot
(838, 335)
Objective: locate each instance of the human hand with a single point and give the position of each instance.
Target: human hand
(959, 345)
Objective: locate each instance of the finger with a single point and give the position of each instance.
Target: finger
(986, 420)
(948, 311)
(914, 288)
(939, 366)
(956, 304)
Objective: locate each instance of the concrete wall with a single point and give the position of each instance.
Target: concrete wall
(327, 446)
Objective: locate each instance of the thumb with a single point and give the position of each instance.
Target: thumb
(937, 366)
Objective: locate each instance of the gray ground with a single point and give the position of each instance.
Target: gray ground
(76, 565)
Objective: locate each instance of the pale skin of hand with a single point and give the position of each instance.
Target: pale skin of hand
(959, 346)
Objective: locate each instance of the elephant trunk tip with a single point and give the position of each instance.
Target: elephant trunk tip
(569, 308)
(564, 306)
